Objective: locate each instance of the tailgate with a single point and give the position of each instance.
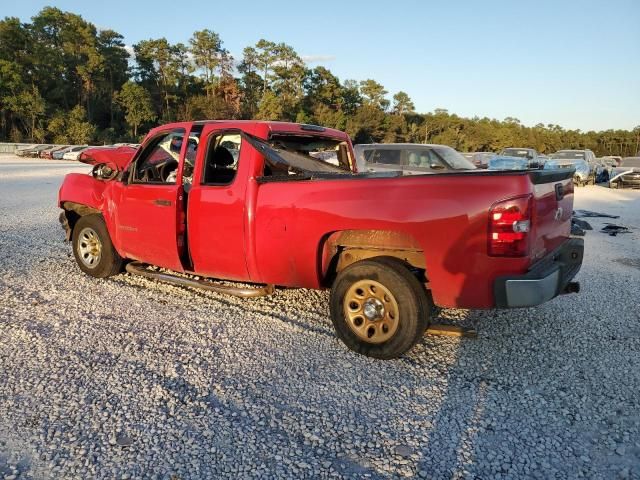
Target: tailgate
(552, 210)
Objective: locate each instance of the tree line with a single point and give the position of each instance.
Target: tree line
(63, 80)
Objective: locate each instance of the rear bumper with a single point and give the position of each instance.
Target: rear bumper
(545, 280)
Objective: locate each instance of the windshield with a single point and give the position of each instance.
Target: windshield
(568, 154)
(454, 159)
(416, 157)
(516, 152)
(574, 163)
(299, 155)
(508, 163)
(633, 162)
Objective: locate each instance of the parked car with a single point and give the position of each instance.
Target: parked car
(47, 153)
(505, 162)
(389, 246)
(74, 153)
(617, 159)
(47, 149)
(583, 173)
(58, 155)
(26, 151)
(479, 159)
(610, 163)
(627, 174)
(529, 153)
(33, 151)
(586, 155)
(606, 166)
(408, 158)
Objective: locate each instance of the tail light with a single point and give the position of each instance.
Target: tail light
(509, 227)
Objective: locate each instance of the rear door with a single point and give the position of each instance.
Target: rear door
(216, 211)
(149, 204)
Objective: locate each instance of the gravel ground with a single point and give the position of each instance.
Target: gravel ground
(128, 378)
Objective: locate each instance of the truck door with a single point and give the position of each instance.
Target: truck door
(150, 202)
(216, 210)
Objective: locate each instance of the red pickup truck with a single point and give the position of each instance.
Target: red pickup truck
(271, 203)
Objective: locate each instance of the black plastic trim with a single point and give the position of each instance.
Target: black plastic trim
(567, 258)
(550, 176)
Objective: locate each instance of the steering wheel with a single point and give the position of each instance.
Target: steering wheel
(166, 168)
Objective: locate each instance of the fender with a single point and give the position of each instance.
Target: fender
(80, 194)
(342, 248)
(82, 189)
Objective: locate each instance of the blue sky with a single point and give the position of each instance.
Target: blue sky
(572, 63)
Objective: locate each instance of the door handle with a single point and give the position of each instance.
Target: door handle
(162, 202)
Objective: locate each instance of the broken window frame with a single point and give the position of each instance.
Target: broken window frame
(296, 165)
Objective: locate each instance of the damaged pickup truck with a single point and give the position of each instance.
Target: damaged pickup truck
(270, 203)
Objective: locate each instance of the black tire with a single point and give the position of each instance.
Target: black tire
(407, 294)
(99, 261)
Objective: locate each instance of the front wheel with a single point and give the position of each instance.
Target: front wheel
(379, 308)
(93, 249)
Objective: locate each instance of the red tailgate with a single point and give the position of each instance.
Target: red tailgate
(553, 208)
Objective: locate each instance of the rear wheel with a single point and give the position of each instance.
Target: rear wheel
(93, 249)
(379, 308)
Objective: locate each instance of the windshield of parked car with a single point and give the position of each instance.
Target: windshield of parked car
(508, 163)
(569, 154)
(288, 154)
(578, 164)
(454, 158)
(416, 157)
(516, 152)
(633, 162)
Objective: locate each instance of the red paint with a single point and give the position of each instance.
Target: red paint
(274, 232)
(120, 156)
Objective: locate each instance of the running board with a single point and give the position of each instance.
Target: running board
(138, 268)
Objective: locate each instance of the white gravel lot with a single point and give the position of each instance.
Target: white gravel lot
(128, 378)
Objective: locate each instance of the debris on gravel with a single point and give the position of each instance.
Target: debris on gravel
(128, 378)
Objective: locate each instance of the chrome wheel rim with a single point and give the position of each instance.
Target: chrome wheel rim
(89, 247)
(371, 311)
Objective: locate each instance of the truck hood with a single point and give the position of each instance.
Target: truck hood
(119, 156)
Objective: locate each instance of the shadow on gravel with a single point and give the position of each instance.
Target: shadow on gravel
(153, 287)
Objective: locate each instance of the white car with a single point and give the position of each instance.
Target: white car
(73, 154)
(408, 158)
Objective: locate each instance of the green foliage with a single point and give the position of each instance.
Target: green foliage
(270, 107)
(63, 80)
(374, 94)
(72, 128)
(402, 104)
(136, 102)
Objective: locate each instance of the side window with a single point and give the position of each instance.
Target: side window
(158, 163)
(386, 156)
(424, 158)
(221, 162)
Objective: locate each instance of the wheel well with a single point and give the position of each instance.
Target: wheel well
(72, 213)
(340, 249)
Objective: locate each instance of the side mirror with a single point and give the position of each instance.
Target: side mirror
(105, 171)
(436, 166)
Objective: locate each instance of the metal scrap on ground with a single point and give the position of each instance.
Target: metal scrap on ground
(613, 229)
(590, 214)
